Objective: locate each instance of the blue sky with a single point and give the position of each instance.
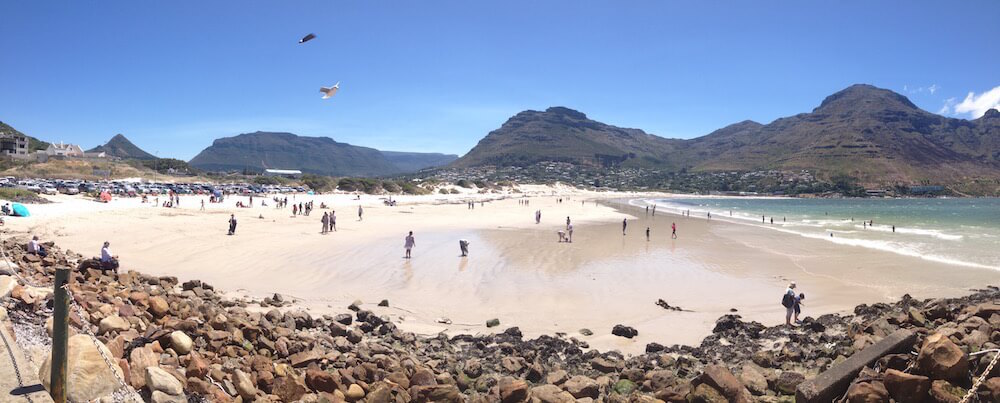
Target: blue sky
(439, 75)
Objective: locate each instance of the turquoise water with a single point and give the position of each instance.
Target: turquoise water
(963, 232)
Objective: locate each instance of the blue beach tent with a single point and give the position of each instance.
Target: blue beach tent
(20, 210)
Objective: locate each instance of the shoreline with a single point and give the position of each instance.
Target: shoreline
(516, 272)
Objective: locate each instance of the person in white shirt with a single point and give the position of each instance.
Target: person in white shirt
(35, 247)
(108, 260)
(409, 244)
(788, 301)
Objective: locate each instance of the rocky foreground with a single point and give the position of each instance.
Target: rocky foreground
(176, 342)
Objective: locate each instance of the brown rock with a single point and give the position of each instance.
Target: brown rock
(945, 392)
(867, 392)
(580, 387)
(513, 390)
(303, 359)
(606, 365)
(197, 367)
(321, 381)
(940, 358)
(992, 389)
(288, 388)
(724, 381)
(905, 387)
(788, 381)
(557, 377)
(551, 394)
(158, 306)
(423, 377)
(139, 360)
(436, 393)
(244, 386)
(706, 394)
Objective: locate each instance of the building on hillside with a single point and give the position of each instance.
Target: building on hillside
(14, 144)
(64, 150)
(287, 173)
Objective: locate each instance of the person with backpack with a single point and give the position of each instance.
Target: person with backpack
(788, 301)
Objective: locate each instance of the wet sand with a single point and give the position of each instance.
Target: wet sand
(516, 272)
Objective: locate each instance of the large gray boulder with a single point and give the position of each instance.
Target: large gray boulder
(88, 376)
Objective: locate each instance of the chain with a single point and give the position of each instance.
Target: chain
(13, 362)
(975, 386)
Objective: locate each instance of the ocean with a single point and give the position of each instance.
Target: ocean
(961, 232)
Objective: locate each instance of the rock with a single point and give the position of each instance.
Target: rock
(88, 375)
(788, 381)
(180, 342)
(624, 331)
(7, 284)
(303, 359)
(754, 379)
(288, 388)
(940, 358)
(197, 367)
(624, 387)
(321, 381)
(992, 389)
(436, 393)
(655, 347)
(158, 306)
(944, 392)
(158, 379)
(139, 359)
(580, 387)
(112, 323)
(551, 394)
(606, 365)
(557, 377)
(244, 386)
(493, 323)
(659, 380)
(586, 332)
(513, 390)
(915, 317)
(724, 381)
(160, 397)
(384, 302)
(867, 392)
(706, 394)
(423, 377)
(905, 387)
(354, 393)
(344, 319)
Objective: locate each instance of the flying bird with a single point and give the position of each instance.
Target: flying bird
(328, 92)
(307, 38)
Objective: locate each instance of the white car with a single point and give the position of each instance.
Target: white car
(49, 190)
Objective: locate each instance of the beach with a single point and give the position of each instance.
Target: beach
(516, 272)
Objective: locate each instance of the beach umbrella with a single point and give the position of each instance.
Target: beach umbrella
(20, 210)
(329, 92)
(307, 38)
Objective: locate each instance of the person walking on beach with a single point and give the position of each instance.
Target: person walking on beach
(647, 234)
(788, 301)
(409, 244)
(202, 204)
(567, 221)
(232, 224)
(326, 223)
(333, 220)
(673, 230)
(361, 212)
(647, 210)
(654, 210)
(624, 225)
(463, 245)
(538, 216)
(569, 233)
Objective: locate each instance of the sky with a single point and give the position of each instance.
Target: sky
(437, 76)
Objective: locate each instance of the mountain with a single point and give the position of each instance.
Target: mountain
(34, 144)
(316, 155)
(412, 162)
(121, 147)
(565, 135)
(870, 133)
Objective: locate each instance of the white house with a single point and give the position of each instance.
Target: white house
(64, 150)
(288, 173)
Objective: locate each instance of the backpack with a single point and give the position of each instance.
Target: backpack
(787, 301)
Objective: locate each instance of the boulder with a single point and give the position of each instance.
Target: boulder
(624, 331)
(160, 397)
(159, 380)
(551, 394)
(724, 381)
(992, 389)
(867, 392)
(606, 365)
(354, 393)
(112, 323)
(513, 390)
(580, 387)
(706, 394)
(180, 342)
(7, 284)
(940, 358)
(321, 381)
(197, 367)
(905, 387)
(139, 359)
(88, 375)
(944, 392)
(158, 306)
(244, 386)
(288, 388)
(788, 381)
(753, 377)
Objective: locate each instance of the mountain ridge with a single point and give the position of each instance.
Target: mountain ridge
(121, 147)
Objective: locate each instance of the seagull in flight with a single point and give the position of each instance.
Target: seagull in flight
(330, 91)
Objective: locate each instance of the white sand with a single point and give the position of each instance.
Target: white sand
(516, 271)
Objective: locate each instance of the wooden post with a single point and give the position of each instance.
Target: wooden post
(60, 337)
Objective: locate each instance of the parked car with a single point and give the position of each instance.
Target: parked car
(48, 189)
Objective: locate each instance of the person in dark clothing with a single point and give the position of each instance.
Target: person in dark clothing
(232, 224)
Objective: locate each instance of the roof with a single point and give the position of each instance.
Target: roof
(284, 171)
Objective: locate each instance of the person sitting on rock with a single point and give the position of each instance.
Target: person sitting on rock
(36, 248)
(108, 261)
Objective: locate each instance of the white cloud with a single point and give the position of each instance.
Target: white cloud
(977, 105)
(946, 108)
(933, 88)
(916, 90)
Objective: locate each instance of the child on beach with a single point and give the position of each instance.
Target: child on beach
(673, 230)
(798, 306)
(409, 244)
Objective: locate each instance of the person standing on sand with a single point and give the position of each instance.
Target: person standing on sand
(463, 245)
(569, 233)
(202, 204)
(232, 224)
(409, 244)
(326, 223)
(788, 301)
(673, 230)
(361, 211)
(647, 234)
(567, 221)
(654, 210)
(333, 220)
(538, 216)
(624, 225)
